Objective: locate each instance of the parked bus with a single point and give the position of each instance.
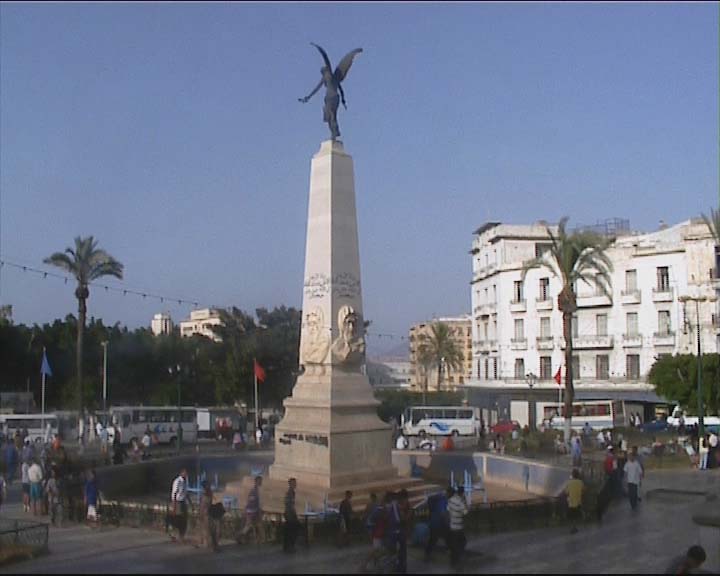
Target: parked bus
(677, 414)
(36, 425)
(132, 421)
(441, 421)
(600, 414)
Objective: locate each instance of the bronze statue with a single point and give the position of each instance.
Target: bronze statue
(334, 92)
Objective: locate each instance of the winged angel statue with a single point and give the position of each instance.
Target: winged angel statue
(333, 88)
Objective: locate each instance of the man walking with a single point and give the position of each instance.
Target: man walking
(91, 498)
(345, 519)
(457, 509)
(253, 513)
(633, 474)
(179, 500)
(439, 520)
(292, 524)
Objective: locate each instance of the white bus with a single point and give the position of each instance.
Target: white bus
(599, 414)
(133, 421)
(441, 421)
(36, 425)
(678, 413)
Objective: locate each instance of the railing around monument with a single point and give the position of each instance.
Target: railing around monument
(22, 539)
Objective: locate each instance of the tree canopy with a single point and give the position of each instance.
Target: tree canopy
(675, 378)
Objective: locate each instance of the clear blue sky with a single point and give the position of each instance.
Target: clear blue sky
(172, 132)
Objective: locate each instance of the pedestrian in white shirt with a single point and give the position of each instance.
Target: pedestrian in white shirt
(633, 475)
(401, 443)
(457, 510)
(179, 503)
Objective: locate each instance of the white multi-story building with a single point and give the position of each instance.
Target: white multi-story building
(201, 322)
(389, 373)
(517, 327)
(161, 324)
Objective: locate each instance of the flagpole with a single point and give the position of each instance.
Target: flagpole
(43, 389)
(257, 414)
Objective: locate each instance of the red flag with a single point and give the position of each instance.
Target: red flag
(259, 371)
(558, 377)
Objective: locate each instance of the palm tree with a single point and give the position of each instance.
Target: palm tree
(713, 223)
(579, 256)
(438, 348)
(86, 263)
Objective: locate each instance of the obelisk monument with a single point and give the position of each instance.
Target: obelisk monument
(331, 435)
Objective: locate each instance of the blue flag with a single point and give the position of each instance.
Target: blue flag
(45, 369)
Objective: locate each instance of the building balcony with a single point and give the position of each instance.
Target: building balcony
(487, 345)
(664, 339)
(484, 272)
(485, 309)
(544, 343)
(591, 301)
(662, 294)
(518, 344)
(518, 306)
(592, 341)
(632, 340)
(630, 297)
(546, 304)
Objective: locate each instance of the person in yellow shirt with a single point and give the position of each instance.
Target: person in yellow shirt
(574, 493)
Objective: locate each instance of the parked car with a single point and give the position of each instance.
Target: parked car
(504, 427)
(655, 426)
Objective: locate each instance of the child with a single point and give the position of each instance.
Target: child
(574, 491)
(25, 479)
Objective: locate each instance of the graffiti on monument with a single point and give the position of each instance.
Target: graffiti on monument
(346, 285)
(317, 286)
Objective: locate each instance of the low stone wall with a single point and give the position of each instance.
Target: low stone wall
(535, 478)
(143, 478)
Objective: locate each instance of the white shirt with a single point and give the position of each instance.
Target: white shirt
(99, 428)
(146, 441)
(633, 472)
(179, 490)
(24, 472)
(713, 440)
(35, 474)
(457, 508)
(401, 443)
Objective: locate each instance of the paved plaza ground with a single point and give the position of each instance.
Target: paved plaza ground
(625, 543)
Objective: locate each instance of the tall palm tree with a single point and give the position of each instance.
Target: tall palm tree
(574, 257)
(86, 263)
(438, 347)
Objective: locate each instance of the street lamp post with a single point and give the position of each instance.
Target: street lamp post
(105, 345)
(701, 410)
(531, 380)
(177, 370)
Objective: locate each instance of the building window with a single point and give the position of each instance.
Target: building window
(518, 291)
(602, 367)
(664, 328)
(544, 289)
(545, 328)
(630, 280)
(576, 366)
(494, 330)
(519, 368)
(485, 330)
(632, 323)
(601, 324)
(663, 279)
(485, 301)
(574, 326)
(546, 367)
(541, 249)
(633, 366)
(487, 369)
(494, 293)
(519, 329)
(479, 370)
(495, 368)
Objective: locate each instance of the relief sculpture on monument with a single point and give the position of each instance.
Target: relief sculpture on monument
(316, 339)
(349, 346)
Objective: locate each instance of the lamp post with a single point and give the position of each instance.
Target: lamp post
(177, 371)
(105, 345)
(531, 380)
(697, 300)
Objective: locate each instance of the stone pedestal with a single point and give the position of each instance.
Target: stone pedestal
(331, 436)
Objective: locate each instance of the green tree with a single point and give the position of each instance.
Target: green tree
(675, 378)
(572, 258)
(438, 347)
(86, 262)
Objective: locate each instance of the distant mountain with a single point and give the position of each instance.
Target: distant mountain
(387, 348)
